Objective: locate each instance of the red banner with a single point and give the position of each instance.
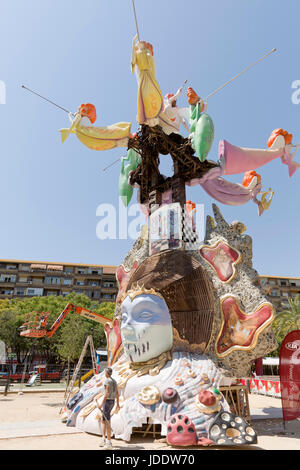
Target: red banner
(289, 369)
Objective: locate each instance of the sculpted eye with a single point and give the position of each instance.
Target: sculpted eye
(145, 315)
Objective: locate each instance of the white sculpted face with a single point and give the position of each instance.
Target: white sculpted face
(146, 327)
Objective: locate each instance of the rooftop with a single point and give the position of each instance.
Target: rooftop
(56, 263)
(278, 277)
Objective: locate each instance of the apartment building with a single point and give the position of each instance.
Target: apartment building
(23, 279)
(279, 288)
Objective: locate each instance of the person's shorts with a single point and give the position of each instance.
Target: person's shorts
(107, 407)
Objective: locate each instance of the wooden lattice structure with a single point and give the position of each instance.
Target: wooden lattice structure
(150, 429)
(185, 286)
(237, 398)
(150, 143)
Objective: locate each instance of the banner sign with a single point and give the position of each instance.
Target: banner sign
(289, 369)
(261, 386)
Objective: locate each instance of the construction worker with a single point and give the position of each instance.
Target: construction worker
(111, 394)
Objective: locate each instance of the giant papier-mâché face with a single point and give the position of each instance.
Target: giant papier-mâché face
(146, 327)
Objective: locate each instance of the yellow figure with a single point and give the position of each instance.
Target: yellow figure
(150, 102)
(96, 138)
(264, 202)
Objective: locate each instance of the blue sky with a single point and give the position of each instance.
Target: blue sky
(74, 52)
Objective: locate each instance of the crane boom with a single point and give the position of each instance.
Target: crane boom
(39, 330)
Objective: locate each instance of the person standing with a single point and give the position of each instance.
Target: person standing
(111, 394)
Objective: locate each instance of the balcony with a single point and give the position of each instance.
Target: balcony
(37, 282)
(4, 270)
(108, 299)
(6, 284)
(6, 296)
(109, 290)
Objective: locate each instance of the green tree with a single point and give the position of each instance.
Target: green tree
(286, 321)
(68, 339)
(73, 336)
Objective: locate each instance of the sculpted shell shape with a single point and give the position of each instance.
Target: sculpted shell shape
(149, 395)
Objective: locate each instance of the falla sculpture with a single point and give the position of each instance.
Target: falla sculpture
(188, 313)
(184, 315)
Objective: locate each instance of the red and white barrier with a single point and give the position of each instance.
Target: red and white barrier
(263, 387)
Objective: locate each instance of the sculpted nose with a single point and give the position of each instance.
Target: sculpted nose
(127, 329)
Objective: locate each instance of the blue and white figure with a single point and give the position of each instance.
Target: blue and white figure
(146, 327)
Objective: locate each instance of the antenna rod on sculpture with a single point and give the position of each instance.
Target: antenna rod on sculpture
(239, 74)
(136, 23)
(46, 99)
(113, 163)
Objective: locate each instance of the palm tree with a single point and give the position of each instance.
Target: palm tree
(288, 320)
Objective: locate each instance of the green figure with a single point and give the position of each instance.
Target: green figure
(125, 190)
(202, 127)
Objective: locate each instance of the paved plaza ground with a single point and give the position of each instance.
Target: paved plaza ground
(30, 421)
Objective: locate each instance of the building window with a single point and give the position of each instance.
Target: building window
(107, 296)
(283, 282)
(7, 278)
(34, 292)
(108, 284)
(11, 266)
(52, 280)
(6, 292)
(81, 271)
(20, 292)
(274, 293)
(93, 283)
(24, 267)
(79, 282)
(67, 282)
(95, 271)
(285, 294)
(69, 270)
(95, 294)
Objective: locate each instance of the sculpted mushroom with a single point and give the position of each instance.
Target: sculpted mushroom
(181, 431)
